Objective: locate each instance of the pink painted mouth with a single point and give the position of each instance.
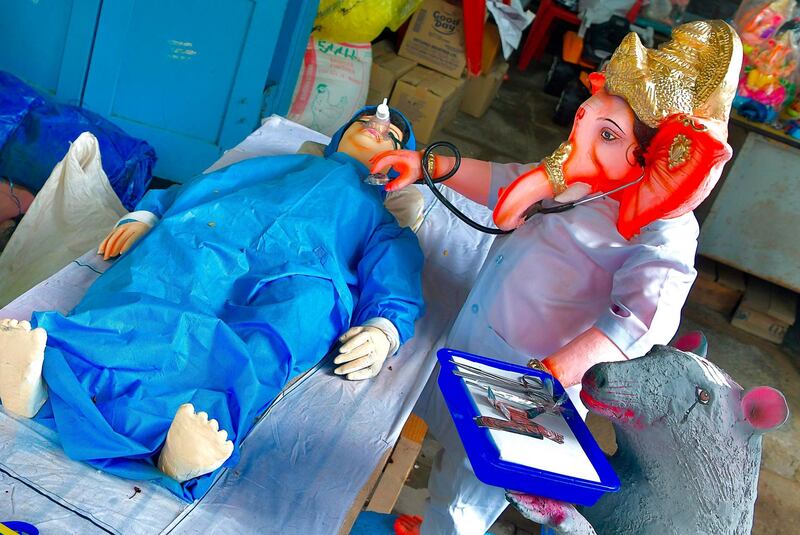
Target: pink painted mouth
(604, 409)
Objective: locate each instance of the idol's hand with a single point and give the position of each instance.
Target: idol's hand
(363, 351)
(122, 238)
(561, 516)
(407, 163)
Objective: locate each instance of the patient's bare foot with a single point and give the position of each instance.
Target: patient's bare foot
(195, 446)
(22, 389)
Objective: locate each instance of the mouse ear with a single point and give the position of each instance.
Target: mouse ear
(693, 342)
(764, 408)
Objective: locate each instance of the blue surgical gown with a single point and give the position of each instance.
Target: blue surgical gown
(246, 281)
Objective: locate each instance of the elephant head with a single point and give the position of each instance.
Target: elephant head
(659, 115)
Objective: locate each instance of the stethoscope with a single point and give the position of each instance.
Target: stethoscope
(380, 179)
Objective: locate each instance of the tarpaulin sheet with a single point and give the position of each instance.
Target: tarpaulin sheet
(35, 134)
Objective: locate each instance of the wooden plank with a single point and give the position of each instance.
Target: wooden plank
(394, 476)
(399, 466)
(361, 498)
(415, 429)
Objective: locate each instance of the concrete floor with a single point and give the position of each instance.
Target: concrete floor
(518, 128)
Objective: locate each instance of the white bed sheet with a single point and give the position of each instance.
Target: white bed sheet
(303, 464)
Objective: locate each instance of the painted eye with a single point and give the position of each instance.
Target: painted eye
(703, 396)
(608, 135)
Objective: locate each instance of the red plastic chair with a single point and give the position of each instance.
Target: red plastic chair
(539, 34)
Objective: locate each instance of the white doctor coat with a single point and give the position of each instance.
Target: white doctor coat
(540, 287)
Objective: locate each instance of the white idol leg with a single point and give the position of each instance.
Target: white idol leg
(195, 446)
(22, 389)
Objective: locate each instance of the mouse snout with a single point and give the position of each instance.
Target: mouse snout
(595, 377)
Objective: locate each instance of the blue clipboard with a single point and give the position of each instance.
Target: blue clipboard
(484, 455)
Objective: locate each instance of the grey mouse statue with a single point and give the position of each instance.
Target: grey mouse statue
(689, 449)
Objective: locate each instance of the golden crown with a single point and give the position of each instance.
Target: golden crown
(696, 73)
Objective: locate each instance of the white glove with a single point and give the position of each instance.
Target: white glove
(363, 351)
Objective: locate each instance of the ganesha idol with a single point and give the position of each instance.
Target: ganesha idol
(656, 116)
(656, 121)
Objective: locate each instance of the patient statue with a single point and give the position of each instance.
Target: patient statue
(227, 287)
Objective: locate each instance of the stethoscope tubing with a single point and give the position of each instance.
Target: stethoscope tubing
(431, 182)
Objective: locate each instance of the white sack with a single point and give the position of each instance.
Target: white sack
(71, 214)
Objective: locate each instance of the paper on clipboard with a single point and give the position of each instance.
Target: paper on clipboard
(568, 458)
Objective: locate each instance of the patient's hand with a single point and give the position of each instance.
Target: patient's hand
(363, 351)
(122, 238)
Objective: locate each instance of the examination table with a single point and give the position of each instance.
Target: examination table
(307, 464)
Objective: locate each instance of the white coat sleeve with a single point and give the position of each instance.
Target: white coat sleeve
(650, 288)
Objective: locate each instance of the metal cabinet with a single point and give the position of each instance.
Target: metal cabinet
(192, 77)
(755, 219)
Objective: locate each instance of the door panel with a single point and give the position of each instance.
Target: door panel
(186, 76)
(47, 43)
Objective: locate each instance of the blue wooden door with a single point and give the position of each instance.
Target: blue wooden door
(47, 43)
(187, 76)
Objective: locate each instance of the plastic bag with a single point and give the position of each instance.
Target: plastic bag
(759, 20)
(670, 12)
(360, 21)
(600, 11)
(35, 134)
(770, 42)
(73, 212)
(332, 86)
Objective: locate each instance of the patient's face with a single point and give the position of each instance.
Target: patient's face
(362, 143)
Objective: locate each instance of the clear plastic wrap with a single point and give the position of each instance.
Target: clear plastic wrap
(771, 54)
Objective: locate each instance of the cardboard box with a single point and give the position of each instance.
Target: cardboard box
(479, 92)
(717, 287)
(435, 38)
(766, 310)
(386, 70)
(382, 47)
(428, 99)
(490, 47)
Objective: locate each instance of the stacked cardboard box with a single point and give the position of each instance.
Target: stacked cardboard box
(426, 76)
(431, 93)
(481, 90)
(428, 100)
(766, 310)
(387, 68)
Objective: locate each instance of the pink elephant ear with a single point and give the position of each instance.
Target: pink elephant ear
(682, 164)
(764, 408)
